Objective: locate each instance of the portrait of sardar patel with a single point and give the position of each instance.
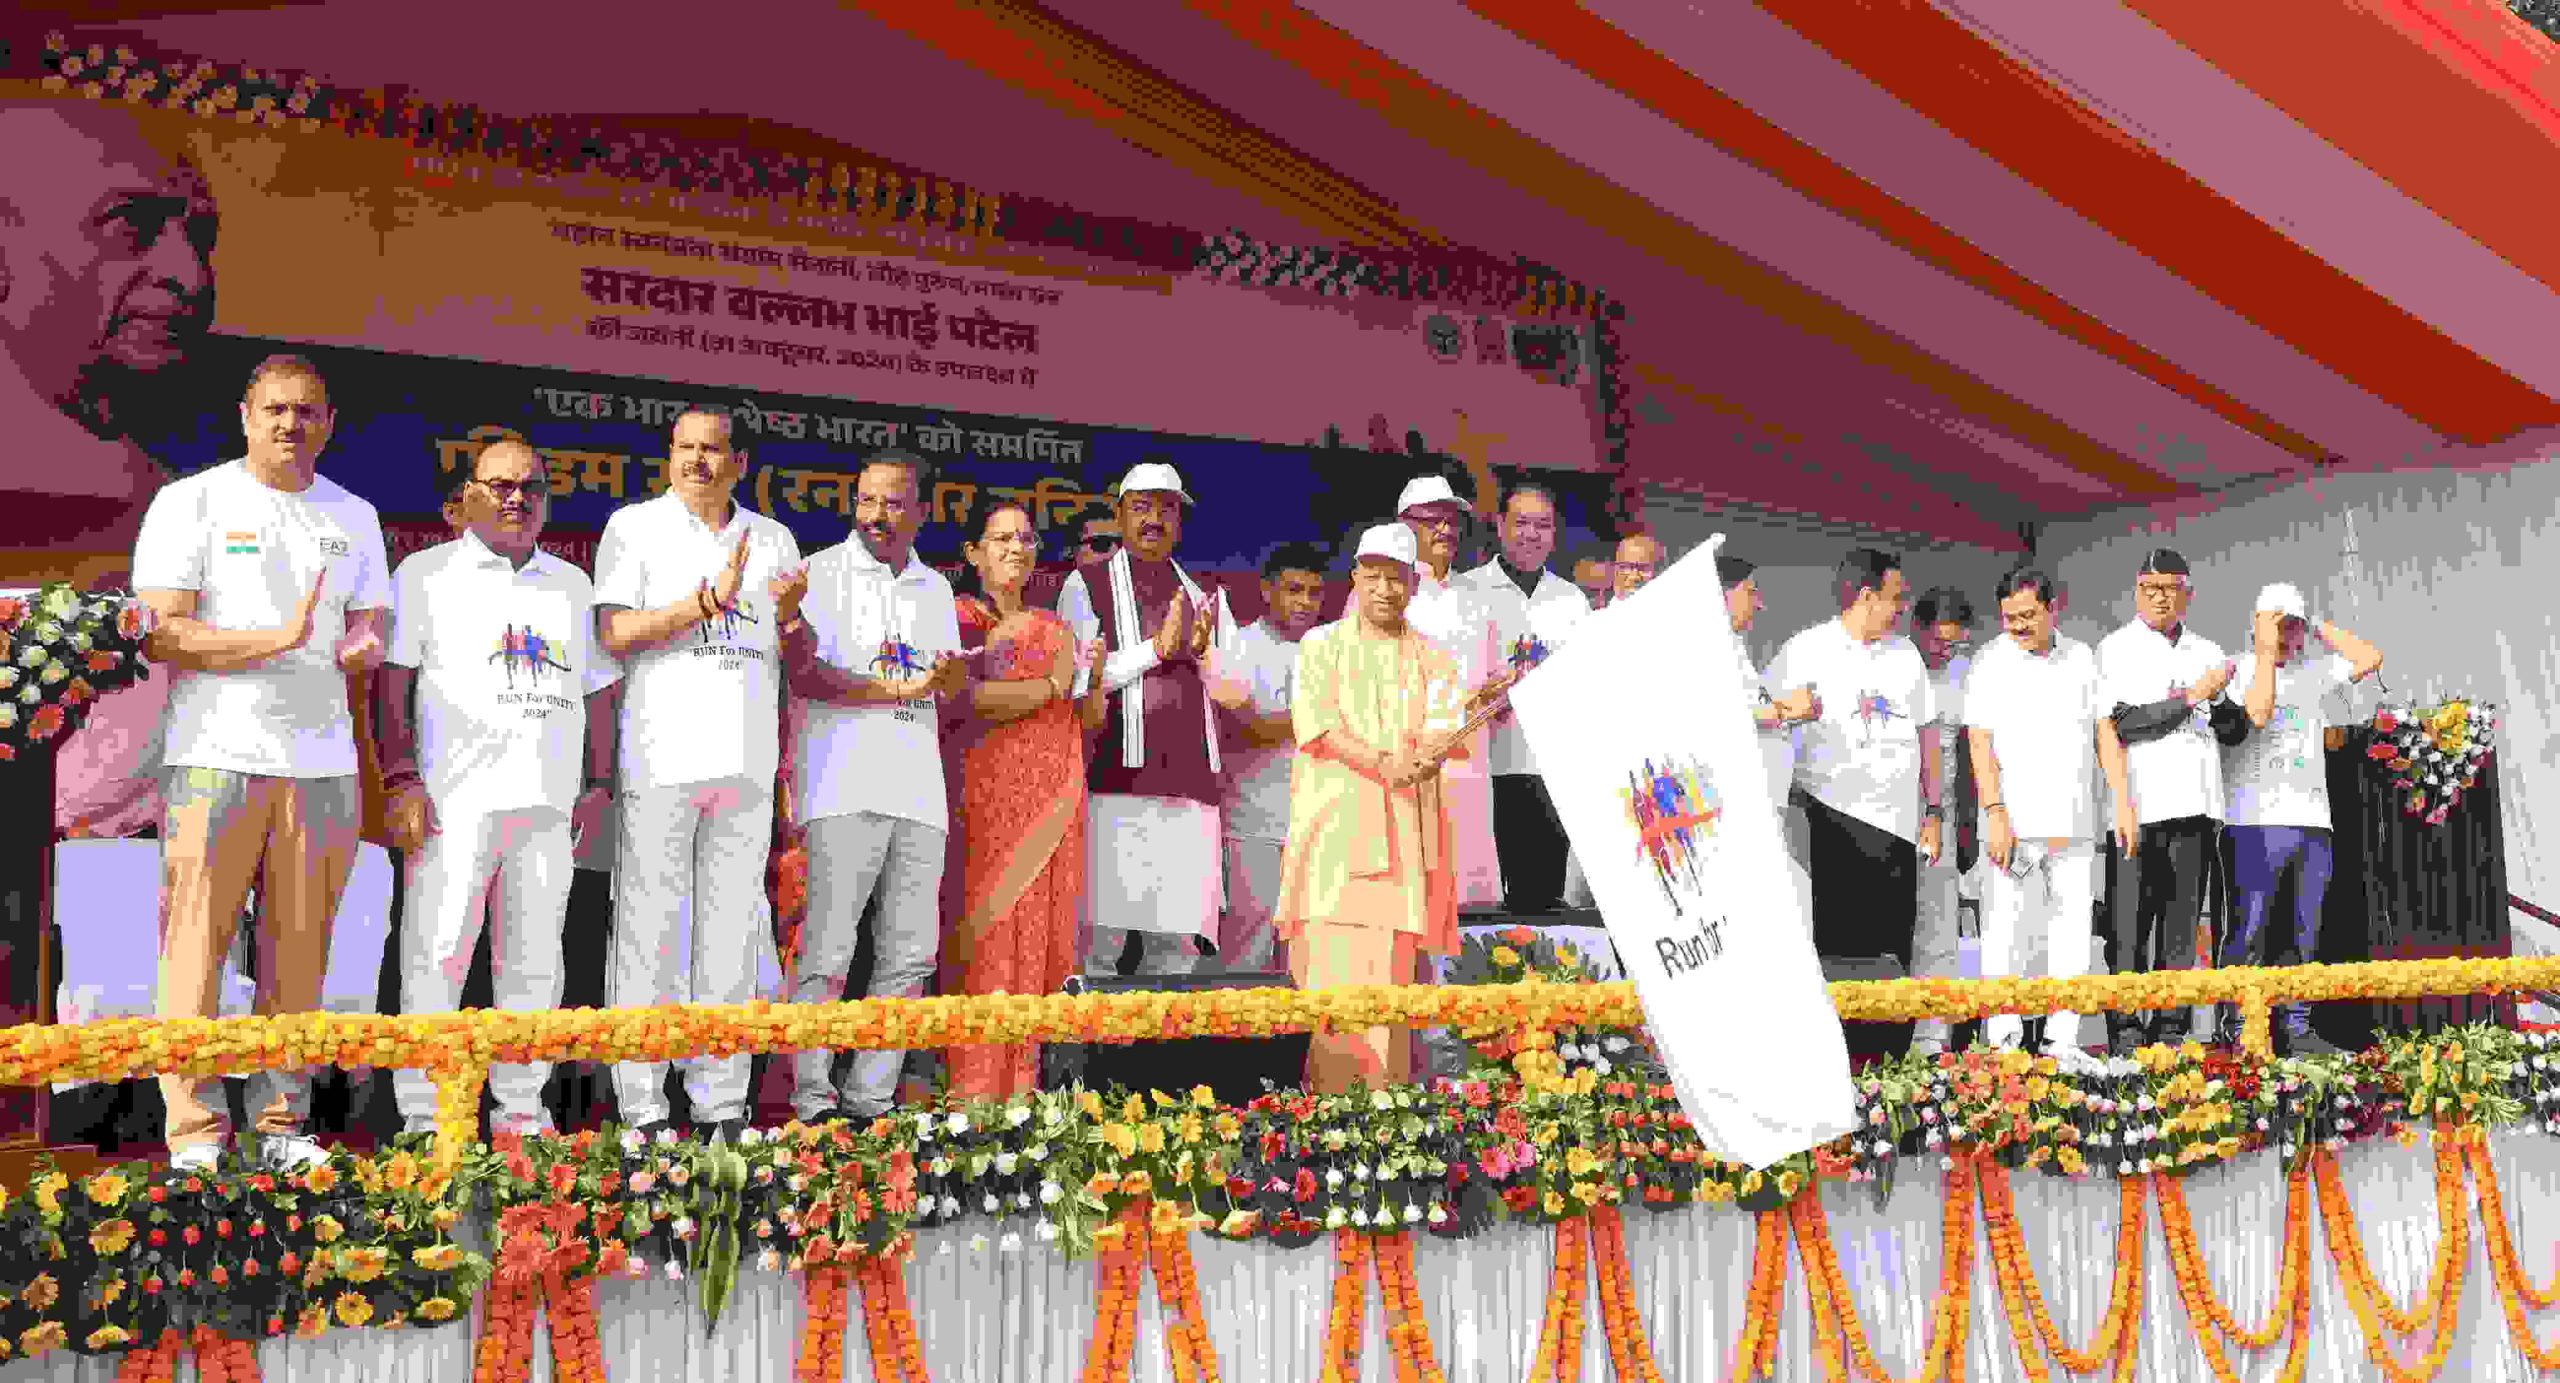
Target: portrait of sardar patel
(106, 287)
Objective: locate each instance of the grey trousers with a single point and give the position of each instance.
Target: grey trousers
(850, 857)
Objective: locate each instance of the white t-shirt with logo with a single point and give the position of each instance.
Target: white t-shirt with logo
(1862, 757)
(1548, 617)
(250, 553)
(506, 658)
(1454, 615)
(875, 623)
(2042, 714)
(1778, 745)
(705, 705)
(2178, 775)
(1257, 805)
(2279, 776)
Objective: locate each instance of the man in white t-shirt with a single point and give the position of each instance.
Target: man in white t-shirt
(1456, 617)
(2165, 684)
(1253, 677)
(502, 766)
(1533, 611)
(1774, 716)
(269, 583)
(877, 644)
(1869, 764)
(2278, 782)
(1941, 623)
(690, 589)
(2037, 731)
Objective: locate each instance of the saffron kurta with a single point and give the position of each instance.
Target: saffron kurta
(1361, 854)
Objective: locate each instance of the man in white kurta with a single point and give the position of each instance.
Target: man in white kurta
(1450, 613)
(498, 773)
(2039, 737)
(1365, 886)
(1941, 621)
(1151, 830)
(1533, 611)
(690, 589)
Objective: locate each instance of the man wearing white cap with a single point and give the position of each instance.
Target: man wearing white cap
(1151, 838)
(2277, 782)
(1456, 618)
(1366, 881)
(1533, 610)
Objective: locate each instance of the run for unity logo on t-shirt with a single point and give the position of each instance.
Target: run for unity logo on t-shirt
(525, 650)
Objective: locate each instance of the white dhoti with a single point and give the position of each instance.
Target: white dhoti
(1468, 791)
(1152, 866)
(1253, 890)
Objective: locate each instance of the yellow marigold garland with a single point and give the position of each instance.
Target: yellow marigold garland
(1122, 1266)
(1408, 1335)
(1345, 1323)
(1186, 1327)
(2515, 1290)
(897, 1355)
(1756, 1354)
(2374, 1311)
(822, 1328)
(1559, 1353)
(2023, 1298)
(1831, 1295)
(1630, 1355)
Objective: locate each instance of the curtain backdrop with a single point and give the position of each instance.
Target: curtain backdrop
(1024, 1316)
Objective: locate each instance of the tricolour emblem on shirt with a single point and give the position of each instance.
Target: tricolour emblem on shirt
(240, 543)
(1673, 808)
(526, 651)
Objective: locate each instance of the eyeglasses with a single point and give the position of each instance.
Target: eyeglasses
(2161, 590)
(503, 490)
(1102, 542)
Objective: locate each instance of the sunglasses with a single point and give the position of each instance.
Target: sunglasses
(1102, 543)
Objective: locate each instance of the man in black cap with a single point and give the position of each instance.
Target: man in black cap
(1942, 628)
(2166, 683)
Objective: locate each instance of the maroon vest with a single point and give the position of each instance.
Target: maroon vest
(1177, 760)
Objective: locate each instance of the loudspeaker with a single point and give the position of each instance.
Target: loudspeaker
(1234, 1067)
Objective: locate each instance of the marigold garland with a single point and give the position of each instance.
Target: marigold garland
(1345, 1324)
(2023, 1298)
(1122, 1268)
(506, 1332)
(821, 1356)
(1559, 1353)
(1194, 1358)
(2515, 1290)
(1621, 1319)
(1408, 1335)
(1756, 1354)
(2374, 1311)
(897, 1354)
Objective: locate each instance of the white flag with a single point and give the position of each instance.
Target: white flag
(1642, 728)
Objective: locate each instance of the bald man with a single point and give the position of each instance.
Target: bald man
(106, 286)
(1638, 560)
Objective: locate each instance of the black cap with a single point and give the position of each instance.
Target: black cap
(2165, 561)
(1942, 604)
(1732, 571)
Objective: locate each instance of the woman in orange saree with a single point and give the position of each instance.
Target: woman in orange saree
(1021, 806)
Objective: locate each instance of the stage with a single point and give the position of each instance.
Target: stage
(989, 1313)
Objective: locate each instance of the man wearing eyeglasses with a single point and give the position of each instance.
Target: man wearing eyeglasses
(2166, 684)
(1453, 616)
(1096, 539)
(497, 638)
(1533, 611)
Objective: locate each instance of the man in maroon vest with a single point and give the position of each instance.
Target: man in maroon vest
(1151, 835)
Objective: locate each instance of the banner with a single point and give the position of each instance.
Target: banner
(1642, 725)
(404, 423)
(331, 240)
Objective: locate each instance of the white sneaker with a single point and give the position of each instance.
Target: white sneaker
(199, 1158)
(291, 1152)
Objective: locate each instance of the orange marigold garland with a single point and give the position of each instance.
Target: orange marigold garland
(1830, 1286)
(1123, 1265)
(822, 1331)
(1345, 1324)
(577, 1351)
(1756, 1354)
(1620, 1318)
(897, 1356)
(2374, 1311)
(1194, 1359)
(1559, 1355)
(156, 1362)
(1408, 1337)
(506, 1332)
(2515, 1289)
(2195, 1282)
(2023, 1298)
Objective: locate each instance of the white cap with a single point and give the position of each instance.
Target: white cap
(1153, 477)
(2283, 599)
(1425, 489)
(1392, 541)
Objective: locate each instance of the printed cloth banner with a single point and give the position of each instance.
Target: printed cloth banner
(1642, 728)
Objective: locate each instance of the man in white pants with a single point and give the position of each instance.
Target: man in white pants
(2037, 728)
(1452, 615)
(690, 589)
(879, 641)
(1151, 833)
(1940, 621)
(513, 697)
(1254, 678)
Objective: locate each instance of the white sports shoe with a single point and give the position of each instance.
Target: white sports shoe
(291, 1152)
(199, 1158)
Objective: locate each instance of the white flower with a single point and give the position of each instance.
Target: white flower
(631, 1139)
(950, 1206)
(958, 1123)
(748, 1137)
(1881, 1149)
(1037, 1152)
(666, 1138)
(1010, 1243)
(1438, 1216)
(1022, 1200)
(1050, 1191)
(1045, 1232)
(926, 1124)
(1335, 1218)
(675, 1271)
(940, 1166)
(1333, 1178)
(1005, 1161)
(1616, 1043)
(991, 1205)
(1360, 1171)
(2262, 1123)
(683, 1226)
(2286, 1151)
(2143, 1104)
(1601, 1066)
(1933, 1139)
(1360, 1218)
(1412, 1214)
(977, 1243)
(769, 1261)
(1381, 1101)
(2124, 1169)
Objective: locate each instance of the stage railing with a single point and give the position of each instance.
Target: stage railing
(457, 1049)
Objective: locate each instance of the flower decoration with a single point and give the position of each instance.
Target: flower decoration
(60, 651)
(2433, 756)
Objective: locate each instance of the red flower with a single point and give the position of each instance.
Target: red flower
(77, 691)
(11, 609)
(8, 753)
(45, 723)
(186, 1277)
(2381, 751)
(1520, 936)
(2386, 722)
(275, 1325)
(1305, 1189)
(100, 660)
(564, 1178)
(159, 1238)
(263, 1182)
(222, 1229)
(1520, 1198)
(192, 1235)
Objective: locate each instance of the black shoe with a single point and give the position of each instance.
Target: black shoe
(2124, 1041)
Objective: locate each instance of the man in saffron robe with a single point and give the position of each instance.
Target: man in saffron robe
(1366, 881)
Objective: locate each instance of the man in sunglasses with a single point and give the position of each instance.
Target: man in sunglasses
(2167, 686)
(513, 696)
(1096, 539)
